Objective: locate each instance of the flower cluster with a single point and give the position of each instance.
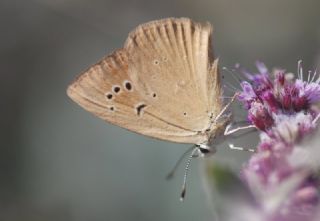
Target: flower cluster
(284, 109)
(284, 95)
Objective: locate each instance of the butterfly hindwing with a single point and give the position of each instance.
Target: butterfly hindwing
(95, 90)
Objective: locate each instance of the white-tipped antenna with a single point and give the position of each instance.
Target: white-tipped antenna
(186, 171)
(174, 169)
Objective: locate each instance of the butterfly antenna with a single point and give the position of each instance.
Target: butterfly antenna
(186, 171)
(174, 169)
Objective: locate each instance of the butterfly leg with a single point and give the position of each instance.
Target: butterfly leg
(229, 130)
(232, 147)
(226, 107)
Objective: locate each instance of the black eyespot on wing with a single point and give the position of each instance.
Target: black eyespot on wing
(112, 108)
(128, 86)
(116, 89)
(185, 114)
(154, 95)
(109, 96)
(139, 108)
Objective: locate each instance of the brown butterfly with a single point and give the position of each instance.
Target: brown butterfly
(164, 83)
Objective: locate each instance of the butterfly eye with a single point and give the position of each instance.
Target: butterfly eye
(204, 151)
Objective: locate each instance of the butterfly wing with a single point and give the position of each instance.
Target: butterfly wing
(172, 59)
(96, 91)
(161, 84)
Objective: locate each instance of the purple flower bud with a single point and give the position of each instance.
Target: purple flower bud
(271, 101)
(286, 101)
(247, 95)
(259, 116)
(280, 77)
(262, 67)
(308, 194)
(300, 103)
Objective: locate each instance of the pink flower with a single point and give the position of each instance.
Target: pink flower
(278, 96)
(282, 109)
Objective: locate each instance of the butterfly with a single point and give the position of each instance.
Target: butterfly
(164, 83)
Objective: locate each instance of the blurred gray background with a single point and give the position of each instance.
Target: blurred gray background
(58, 162)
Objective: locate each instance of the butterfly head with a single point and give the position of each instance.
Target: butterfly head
(205, 150)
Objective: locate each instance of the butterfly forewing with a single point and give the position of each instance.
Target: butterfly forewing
(170, 58)
(161, 84)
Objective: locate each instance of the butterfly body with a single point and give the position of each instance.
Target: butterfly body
(164, 83)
